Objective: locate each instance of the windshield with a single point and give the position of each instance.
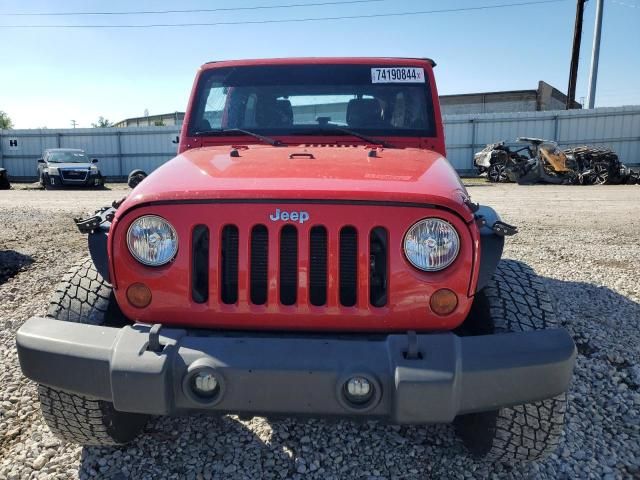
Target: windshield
(312, 99)
(67, 157)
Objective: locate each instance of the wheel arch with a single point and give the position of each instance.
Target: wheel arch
(491, 246)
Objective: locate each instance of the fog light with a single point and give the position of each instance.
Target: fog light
(443, 302)
(204, 384)
(358, 389)
(139, 295)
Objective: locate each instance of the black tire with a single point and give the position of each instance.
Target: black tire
(135, 178)
(4, 180)
(84, 296)
(515, 300)
(497, 173)
(46, 182)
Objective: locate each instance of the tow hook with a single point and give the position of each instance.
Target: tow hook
(412, 352)
(154, 344)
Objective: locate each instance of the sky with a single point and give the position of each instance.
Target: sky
(50, 76)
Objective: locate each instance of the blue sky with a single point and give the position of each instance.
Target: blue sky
(50, 76)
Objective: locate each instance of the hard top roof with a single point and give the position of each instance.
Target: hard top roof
(320, 60)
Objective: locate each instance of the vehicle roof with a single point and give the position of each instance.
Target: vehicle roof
(396, 61)
(64, 150)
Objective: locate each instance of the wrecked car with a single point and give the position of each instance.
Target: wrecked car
(542, 161)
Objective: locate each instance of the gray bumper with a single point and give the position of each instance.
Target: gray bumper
(93, 179)
(298, 375)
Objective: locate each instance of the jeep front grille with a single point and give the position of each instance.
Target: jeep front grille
(328, 257)
(318, 266)
(229, 265)
(348, 266)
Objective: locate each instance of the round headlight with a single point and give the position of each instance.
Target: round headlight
(152, 240)
(431, 244)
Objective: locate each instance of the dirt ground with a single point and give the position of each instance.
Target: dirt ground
(585, 242)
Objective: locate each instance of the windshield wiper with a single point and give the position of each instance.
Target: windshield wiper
(269, 140)
(366, 138)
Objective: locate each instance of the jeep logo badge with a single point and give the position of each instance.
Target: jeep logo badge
(285, 216)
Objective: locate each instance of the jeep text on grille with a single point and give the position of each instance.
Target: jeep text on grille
(310, 237)
(285, 216)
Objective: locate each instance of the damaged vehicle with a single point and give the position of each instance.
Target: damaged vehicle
(65, 167)
(5, 184)
(309, 252)
(542, 161)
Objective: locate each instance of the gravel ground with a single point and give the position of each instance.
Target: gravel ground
(584, 240)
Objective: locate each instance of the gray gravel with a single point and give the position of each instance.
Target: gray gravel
(584, 240)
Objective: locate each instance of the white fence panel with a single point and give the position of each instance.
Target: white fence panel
(121, 150)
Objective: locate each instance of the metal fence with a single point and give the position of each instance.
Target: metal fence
(121, 150)
(617, 128)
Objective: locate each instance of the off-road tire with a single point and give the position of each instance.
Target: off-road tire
(84, 296)
(515, 300)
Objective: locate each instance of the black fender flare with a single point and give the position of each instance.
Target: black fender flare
(98, 240)
(491, 245)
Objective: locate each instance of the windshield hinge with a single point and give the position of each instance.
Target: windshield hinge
(90, 224)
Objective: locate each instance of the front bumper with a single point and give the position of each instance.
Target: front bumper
(91, 180)
(296, 375)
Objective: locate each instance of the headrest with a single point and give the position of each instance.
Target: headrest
(271, 112)
(364, 112)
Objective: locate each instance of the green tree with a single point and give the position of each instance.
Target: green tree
(5, 121)
(101, 123)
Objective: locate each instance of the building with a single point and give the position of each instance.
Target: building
(545, 97)
(162, 120)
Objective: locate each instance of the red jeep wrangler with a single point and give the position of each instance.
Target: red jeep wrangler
(310, 251)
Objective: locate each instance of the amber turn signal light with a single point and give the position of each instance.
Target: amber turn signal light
(139, 295)
(443, 302)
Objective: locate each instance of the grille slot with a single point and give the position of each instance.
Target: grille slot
(378, 264)
(318, 266)
(288, 265)
(348, 266)
(259, 264)
(229, 265)
(200, 264)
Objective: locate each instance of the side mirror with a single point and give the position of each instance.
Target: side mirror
(41, 160)
(94, 160)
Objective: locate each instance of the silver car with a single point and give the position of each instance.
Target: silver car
(68, 167)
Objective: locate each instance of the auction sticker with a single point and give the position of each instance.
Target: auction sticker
(397, 75)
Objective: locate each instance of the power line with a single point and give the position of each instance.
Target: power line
(197, 10)
(298, 20)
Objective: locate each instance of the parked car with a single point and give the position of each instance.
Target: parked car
(287, 264)
(68, 167)
(5, 184)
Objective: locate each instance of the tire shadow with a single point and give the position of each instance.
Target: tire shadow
(12, 263)
(208, 447)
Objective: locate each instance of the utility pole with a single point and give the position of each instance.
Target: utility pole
(595, 54)
(73, 123)
(575, 55)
